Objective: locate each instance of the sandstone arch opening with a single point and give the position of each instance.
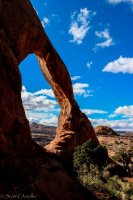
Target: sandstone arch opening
(72, 123)
(39, 102)
(25, 37)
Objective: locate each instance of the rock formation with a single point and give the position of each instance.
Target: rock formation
(21, 34)
(105, 130)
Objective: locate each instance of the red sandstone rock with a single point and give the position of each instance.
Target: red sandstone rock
(21, 160)
(21, 34)
(104, 130)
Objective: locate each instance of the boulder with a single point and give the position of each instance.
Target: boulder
(105, 130)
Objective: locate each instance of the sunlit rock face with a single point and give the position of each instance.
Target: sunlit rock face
(22, 34)
(105, 130)
(25, 166)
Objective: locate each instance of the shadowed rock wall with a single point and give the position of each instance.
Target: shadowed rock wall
(25, 167)
(21, 33)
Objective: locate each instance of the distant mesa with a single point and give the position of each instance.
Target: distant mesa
(105, 130)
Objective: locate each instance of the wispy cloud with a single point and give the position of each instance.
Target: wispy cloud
(93, 111)
(125, 110)
(80, 25)
(112, 115)
(130, 2)
(120, 1)
(56, 17)
(106, 39)
(120, 119)
(81, 89)
(123, 65)
(45, 21)
(121, 125)
(74, 78)
(89, 65)
(50, 19)
(47, 92)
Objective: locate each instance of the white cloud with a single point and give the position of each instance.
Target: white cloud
(114, 2)
(33, 102)
(93, 111)
(43, 118)
(52, 120)
(123, 65)
(51, 18)
(120, 1)
(39, 108)
(123, 122)
(45, 21)
(125, 110)
(112, 115)
(74, 78)
(104, 35)
(80, 25)
(47, 92)
(82, 89)
(121, 125)
(42, 110)
(89, 64)
(56, 17)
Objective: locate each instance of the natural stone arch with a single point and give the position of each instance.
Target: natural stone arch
(73, 126)
(22, 34)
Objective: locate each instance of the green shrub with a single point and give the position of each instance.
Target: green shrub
(119, 188)
(90, 161)
(90, 153)
(114, 186)
(91, 179)
(125, 158)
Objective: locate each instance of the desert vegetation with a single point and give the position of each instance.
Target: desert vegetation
(93, 169)
(125, 158)
(97, 175)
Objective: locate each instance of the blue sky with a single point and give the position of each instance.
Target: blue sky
(95, 41)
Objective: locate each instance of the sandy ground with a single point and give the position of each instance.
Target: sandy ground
(115, 143)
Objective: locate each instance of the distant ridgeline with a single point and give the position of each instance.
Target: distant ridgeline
(39, 128)
(99, 130)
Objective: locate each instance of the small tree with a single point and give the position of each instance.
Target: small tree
(90, 153)
(125, 157)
